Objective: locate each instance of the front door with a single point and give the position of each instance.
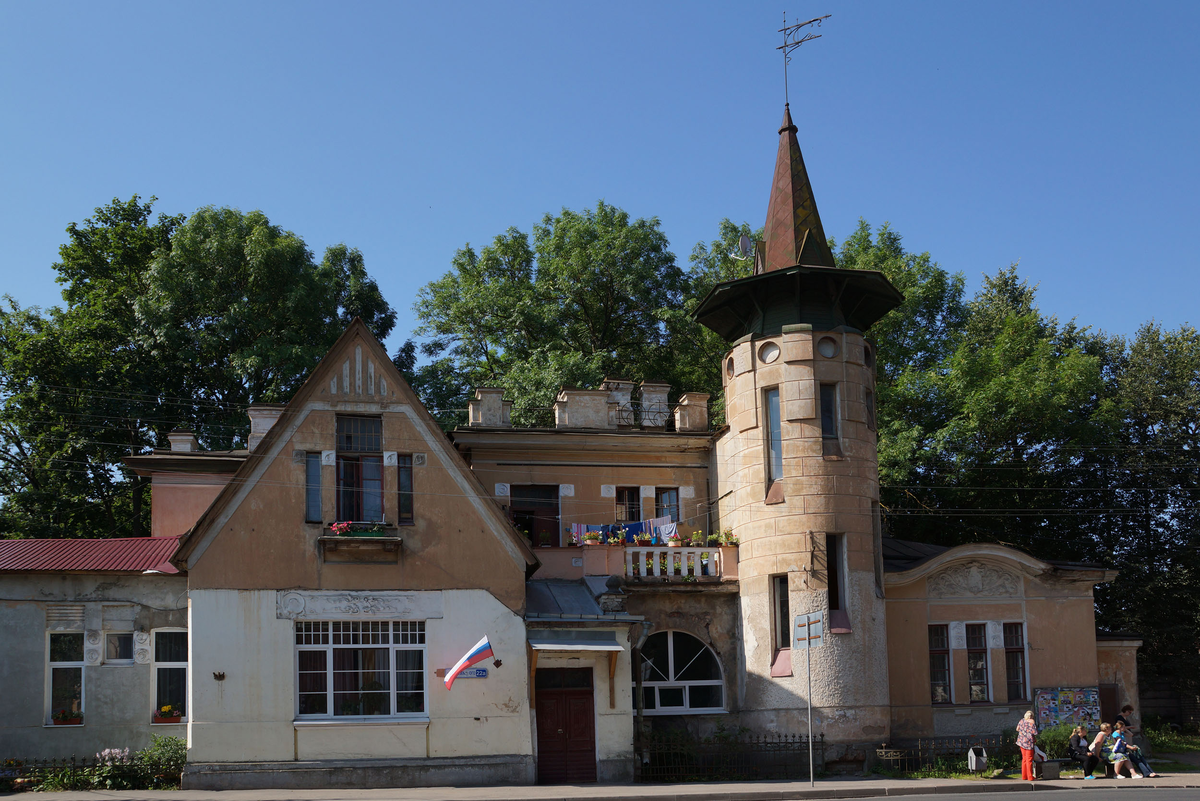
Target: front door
(566, 726)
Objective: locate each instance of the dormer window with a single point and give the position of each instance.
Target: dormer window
(360, 469)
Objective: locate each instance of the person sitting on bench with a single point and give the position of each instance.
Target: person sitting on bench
(1113, 750)
(1132, 751)
(1077, 749)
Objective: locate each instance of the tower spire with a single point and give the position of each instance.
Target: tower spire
(793, 233)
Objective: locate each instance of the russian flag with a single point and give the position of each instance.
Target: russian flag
(481, 651)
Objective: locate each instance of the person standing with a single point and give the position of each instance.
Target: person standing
(1026, 739)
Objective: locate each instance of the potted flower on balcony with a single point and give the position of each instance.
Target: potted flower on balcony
(591, 538)
(346, 528)
(167, 714)
(67, 717)
(729, 538)
(674, 540)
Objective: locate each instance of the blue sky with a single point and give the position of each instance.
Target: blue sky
(1059, 134)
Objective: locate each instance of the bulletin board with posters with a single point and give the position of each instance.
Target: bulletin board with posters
(1078, 706)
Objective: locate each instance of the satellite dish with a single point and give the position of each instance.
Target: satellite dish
(746, 246)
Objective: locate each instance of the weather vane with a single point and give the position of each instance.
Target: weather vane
(793, 37)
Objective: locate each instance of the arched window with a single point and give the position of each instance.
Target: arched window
(680, 676)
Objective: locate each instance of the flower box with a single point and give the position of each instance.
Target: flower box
(167, 718)
(68, 721)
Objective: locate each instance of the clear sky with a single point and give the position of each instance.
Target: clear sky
(1060, 134)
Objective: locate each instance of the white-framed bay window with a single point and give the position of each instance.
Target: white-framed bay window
(170, 651)
(366, 669)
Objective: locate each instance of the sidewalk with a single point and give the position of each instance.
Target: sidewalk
(850, 787)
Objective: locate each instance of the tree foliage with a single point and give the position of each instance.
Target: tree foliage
(167, 322)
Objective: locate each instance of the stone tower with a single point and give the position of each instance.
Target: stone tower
(797, 468)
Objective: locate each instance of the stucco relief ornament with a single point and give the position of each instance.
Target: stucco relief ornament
(141, 637)
(142, 656)
(92, 656)
(291, 605)
(973, 578)
(324, 604)
(93, 637)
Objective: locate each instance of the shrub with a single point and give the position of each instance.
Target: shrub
(1056, 740)
(162, 761)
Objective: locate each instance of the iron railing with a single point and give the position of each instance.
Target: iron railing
(681, 757)
(910, 757)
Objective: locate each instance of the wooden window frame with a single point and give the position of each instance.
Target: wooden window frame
(940, 652)
(979, 650)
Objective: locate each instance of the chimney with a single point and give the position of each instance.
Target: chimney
(262, 417)
(692, 412)
(183, 441)
(489, 409)
(620, 396)
(655, 409)
(584, 408)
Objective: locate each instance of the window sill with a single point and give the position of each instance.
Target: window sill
(180, 722)
(318, 724)
(63, 725)
(682, 711)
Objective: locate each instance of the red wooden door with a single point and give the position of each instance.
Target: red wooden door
(566, 726)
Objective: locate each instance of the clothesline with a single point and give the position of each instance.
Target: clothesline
(658, 529)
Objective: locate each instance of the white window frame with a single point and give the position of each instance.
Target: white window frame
(155, 665)
(657, 686)
(104, 660)
(329, 648)
(987, 661)
(49, 686)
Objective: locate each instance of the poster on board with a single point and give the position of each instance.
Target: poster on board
(1078, 706)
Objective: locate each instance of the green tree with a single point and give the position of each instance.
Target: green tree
(590, 295)
(239, 308)
(166, 323)
(1153, 475)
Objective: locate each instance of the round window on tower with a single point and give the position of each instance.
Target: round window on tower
(768, 353)
(729, 367)
(827, 347)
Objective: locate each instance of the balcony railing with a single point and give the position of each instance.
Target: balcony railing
(656, 561)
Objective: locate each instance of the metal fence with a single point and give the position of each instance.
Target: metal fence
(908, 758)
(682, 757)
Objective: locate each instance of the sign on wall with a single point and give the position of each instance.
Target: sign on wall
(1078, 706)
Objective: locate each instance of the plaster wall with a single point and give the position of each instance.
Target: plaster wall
(177, 501)
(457, 541)
(710, 616)
(1116, 662)
(1059, 629)
(591, 466)
(821, 491)
(249, 716)
(118, 699)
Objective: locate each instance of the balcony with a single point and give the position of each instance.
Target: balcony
(641, 564)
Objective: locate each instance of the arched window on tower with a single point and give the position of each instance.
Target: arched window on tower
(680, 676)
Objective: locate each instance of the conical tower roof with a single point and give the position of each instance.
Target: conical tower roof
(793, 232)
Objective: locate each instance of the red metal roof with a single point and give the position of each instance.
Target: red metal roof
(127, 555)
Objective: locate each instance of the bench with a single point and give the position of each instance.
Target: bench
(1050, 769)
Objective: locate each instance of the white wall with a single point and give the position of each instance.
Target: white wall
(249, 716)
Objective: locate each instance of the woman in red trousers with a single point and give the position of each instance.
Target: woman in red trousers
(1026, 738)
